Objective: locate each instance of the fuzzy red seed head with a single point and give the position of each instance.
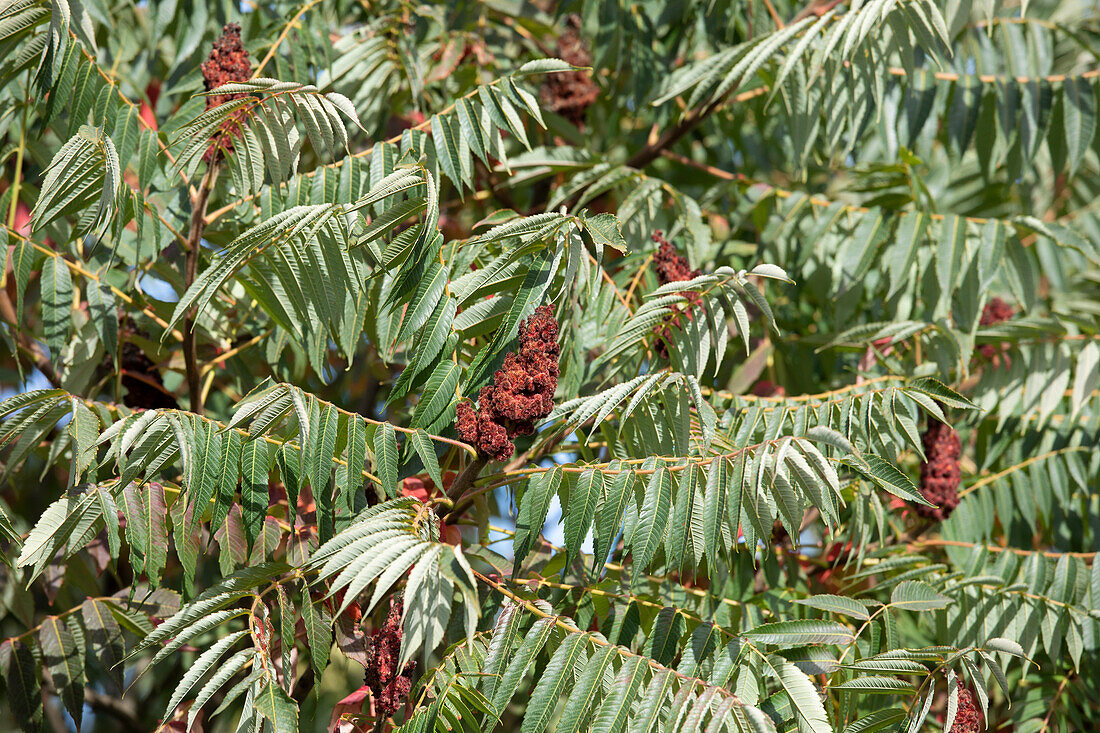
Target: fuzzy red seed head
(968, 716)
(521, 393)
(570, 93)
(995, 311)
(940, 473)
(672, 267)
(228, 62)
(768, 388)
(389, 686)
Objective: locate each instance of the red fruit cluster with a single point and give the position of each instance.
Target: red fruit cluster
(968, 716)
(388, 686)
(940, 474)
(672, 267)
(228, 62)
(521, 393)
(995, 311)
(768, 388)
(570, 93)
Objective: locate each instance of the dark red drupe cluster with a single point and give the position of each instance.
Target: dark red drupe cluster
(228, 62)
(570, 93)
(672, 267)
(940, 474)
(521, 393)
(388, 686)
(995, 311)
(968, 717)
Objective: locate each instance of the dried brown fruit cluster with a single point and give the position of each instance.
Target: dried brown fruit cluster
(995, 311)
(143, 382)
(521, 393)
(388, 686)
(570, 93)
(968, 717)
(672, 267)
(141, 379)
(940, 474)
(228, 62)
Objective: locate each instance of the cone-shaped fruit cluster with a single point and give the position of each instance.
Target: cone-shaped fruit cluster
(521, 393)
(940, 474)
(228, 62)
(968, 717)
(569, 93)
(672, 267)
(388, 686)
(995, 311)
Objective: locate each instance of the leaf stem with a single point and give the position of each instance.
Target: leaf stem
(292, 23)
(13, 208)
(597, 640)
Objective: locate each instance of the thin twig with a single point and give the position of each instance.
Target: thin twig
(638, 276)
(125, 713)
(919, 544)
(1057, 694)
(775, 16)
(88, 275)
(282, 36)
(692, 119)
(1023, 464)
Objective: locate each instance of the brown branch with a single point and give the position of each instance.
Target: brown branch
(291, 24)
(122, 711)
(194, 245)
(52, 709)
(775, 16)
(462, 482)
(716, 172)
(687, 123)
(816, 7)
(1053, 706)
(26, 344)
